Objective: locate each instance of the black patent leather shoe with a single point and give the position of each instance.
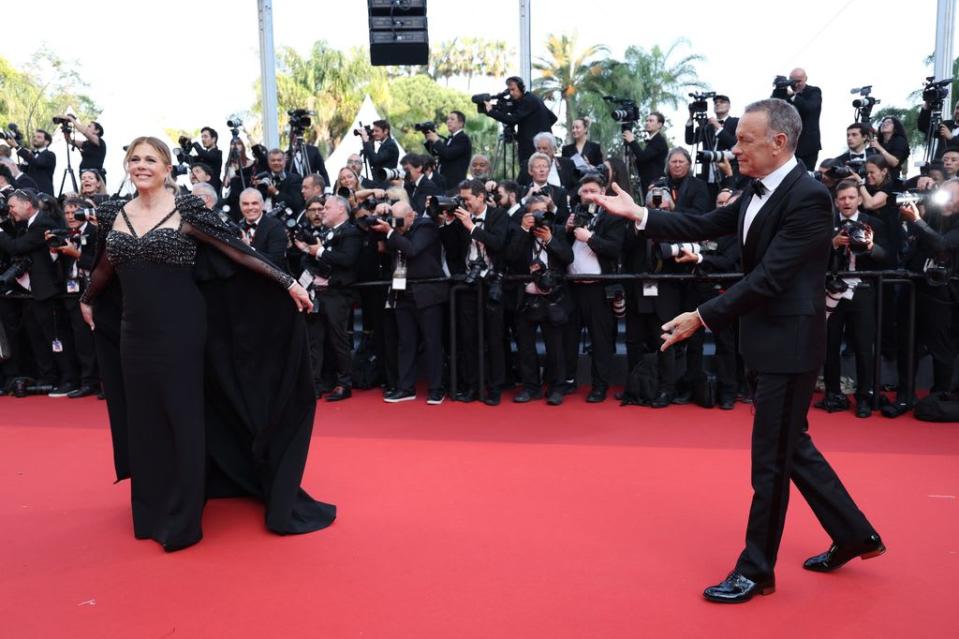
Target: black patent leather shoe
(83, 391)
(736, 588)
(339, 394)
(727, 402)
(863, 409)
(525, 395)
(466, 396)
(837, 555)
(492, 398)
(833, 403)
(662, 400)
(682, 398)
(598, 394)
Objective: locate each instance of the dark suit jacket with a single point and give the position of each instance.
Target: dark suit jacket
(88, 250)
(650, 160)
(520, 250)
(315, 159)
(454, 155)
(530, 116)
(341, 255)
(592, 152)
(40, 167)
(560, 197)
(693, 196)
(609, 233)
(213, 158)
(291, 192)
(780, 302)
(421, 191)
(809, 105)
(24, 181)
(639, 256)
(493, 234)
(423, 250)
(45, 276)
(270, 241)
(882, 256)
(708, 138)
(387, 157)
(923, 125)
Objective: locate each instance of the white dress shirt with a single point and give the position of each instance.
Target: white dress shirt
(771, 182)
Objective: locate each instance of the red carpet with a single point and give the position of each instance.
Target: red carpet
(469, 521)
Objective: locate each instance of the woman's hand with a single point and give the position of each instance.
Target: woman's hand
(86, 311)
(300, 297)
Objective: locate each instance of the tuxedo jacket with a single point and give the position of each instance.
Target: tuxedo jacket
(639, 256)
(341, 255)
(709, 138)
(493, 234)
(560, 197)
(423, 251)
(420, 192)
(387, 157)
(317, 165)
(45, 275)
(454, 155)
(809, 105)
(592, 152)
(882, 256)
(87, 241)
(692, 196)
(24, 181)
(270, 240)
(650, 160)
(213, 158)
(609, 233)
(943, 144)
(780, 302)
(530, 116)
(40, 167)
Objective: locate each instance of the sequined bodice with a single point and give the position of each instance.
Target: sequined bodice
(159, 246)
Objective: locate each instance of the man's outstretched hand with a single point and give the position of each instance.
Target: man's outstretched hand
(679, 328)
(621, 204)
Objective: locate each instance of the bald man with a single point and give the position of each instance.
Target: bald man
(808, 101)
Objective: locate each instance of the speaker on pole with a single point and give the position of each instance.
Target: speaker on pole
(398, 32)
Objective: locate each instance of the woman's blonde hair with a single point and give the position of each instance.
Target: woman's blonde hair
(162, 150)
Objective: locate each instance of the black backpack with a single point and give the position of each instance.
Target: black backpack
(642, 384)
(366, 366)
(938, 407)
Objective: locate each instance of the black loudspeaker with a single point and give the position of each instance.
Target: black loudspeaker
(398, 32)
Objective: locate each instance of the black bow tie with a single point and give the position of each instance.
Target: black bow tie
(247, 226)
(477, 220)
(857, 156)
(758, 187)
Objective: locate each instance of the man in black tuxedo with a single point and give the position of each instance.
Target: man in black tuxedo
(418, 306)
(40, 162)
(689, 193)
(418, 186)
(857, 147)
(454, 151)
(267, 235)
(281, 186)
(312, 164)
(11, 177)
(386, 156)
(475, 236)
(784, 225)
(43, 280)
(207, 152)
(523, 110)
(562, 171)
(716, 133)
(331, 266)
(651, 158)
(539, 166)
(808, 102)
(855, 308)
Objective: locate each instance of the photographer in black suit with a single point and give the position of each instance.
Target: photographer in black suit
(784, 225)
(43, 280)
(808, 102)
(596, 238)
(689, 193)
(417, 252)
(541, 247)
(280, 186)
(562, 171)
(539, 167)
(651, 158)
(855, 306)
(386, 156)
(716, 133)
(418, 186)
(454, 151)
(858, 149)
(266, 235)
(475, 236)
(948, 132)
(40, 162)
(207, 153)
(523, 110)
(313, 164)
(332, 264)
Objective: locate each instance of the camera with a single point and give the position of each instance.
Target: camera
(440, 204)
(856, 232)
(368, 128)
(180, 168)
(234, 122)
(780, 84)
(58, 238)
(835, 287)
(306, 233)
(935, 92)
(657, 196)
(388, 175)
(62, 120)
(601, 171)
(13, 133)
(425, 127)
(344, 192)
(284, 214)
(300, 120)
(864, 104)
(583, 215)
(84, 214)
(475, 270)
(18, 267)
(626, 113)
(366, 222)
(699, 105)
(545, 279)
(542, 219)
(668, 251)
(712, 157)
(264, 180)
(501, 98)
(938, 197)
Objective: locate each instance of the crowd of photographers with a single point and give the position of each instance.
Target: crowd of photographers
(529, 271)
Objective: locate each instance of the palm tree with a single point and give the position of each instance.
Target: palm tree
(565, 70)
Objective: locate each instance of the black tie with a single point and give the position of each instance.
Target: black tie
(249, 226)
(758, 188)
(857, 156)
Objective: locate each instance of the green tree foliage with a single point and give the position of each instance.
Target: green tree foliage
(45, 87)
(567, 72)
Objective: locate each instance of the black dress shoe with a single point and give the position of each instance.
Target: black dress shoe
(682, 398)
(555, 398)
(837, 555)
(738, 589)
(863, 409)
(398, 396)
(492, 398)
(524, 396)
(662, 400)
(339, 393)
(568, 387)
(598, 394)
(436, 397)
(897, 408)
(727, 402)
(83, 391)
(833, 403)
(63, 390)
(466, 396)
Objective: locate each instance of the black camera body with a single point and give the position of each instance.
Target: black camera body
(475, 271)
(366, 222)
(935, 93)
(18, 267)
(264, 180)
(284, 214)
(542, 219)
(583, 215)
(699, 106)
(300, 120)
(440, 204)
(502, 100)
(13, 133)
(425, 127)
(59, 238)
(306, 233)
(780, 85)
(856, 232)
(626, 113)
(367, 128)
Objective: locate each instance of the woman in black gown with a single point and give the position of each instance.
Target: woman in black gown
(224, 412)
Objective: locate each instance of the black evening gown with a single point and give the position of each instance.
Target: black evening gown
(214, 396)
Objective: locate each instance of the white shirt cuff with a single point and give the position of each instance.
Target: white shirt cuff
(641, 224)
(699, 315)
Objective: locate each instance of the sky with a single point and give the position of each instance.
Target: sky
(179, 64)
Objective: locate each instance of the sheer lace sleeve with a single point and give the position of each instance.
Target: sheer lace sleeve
(102, 271)
(206, 227)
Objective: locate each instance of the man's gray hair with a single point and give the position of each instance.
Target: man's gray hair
(202, 188)
(678, 150)
(538, 156)
(252, 191)
(342, 201)
(547, 136)
(783, 118)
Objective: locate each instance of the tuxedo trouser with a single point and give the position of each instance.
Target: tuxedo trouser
(782, 450)
(334, 312)
(419, 326)
(644, 335)
(592, 310)
(860, 312)
(83, 344)
(39, 318)
(934, 335)
(554, 369)
(468, 325)
(725, 340)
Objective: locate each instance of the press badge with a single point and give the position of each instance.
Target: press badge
(57, 346)
(650, 289)
(73, 286)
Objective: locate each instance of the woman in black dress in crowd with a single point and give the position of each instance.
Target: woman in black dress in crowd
(206, 413)
(892, 144)
(590, 151)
